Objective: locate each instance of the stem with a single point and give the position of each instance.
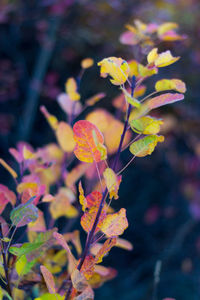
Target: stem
(5, 265)
(124, 168)
(104, 196)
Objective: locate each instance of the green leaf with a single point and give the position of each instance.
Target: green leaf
(146, 145)
(25, 248)
(46, 239)
(49, 296)
(133, 101)
(23, 267)
(5, 239)
(24, 213)
(146, 125)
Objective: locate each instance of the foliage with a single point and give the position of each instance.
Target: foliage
(48, 184)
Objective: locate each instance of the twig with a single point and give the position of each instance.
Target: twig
(104, 196)
(5, 265)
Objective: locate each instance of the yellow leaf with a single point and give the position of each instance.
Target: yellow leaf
(146, 125)
(115, 224)
(64, 134)
(153, 54)
(117, 68)
(8, 168)
(61, 205)
(145, 71)
(82, 198)
(87, 63)
(71, 89)
(134, 102)
(166, 27)
(170, 84)
(146, 145)
(165, 59)
(26, 185)
(51, 119)
(133, 65)
(27, 154)
(112, 182)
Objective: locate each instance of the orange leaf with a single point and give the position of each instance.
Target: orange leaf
(49, 280)
(115, 224)
(87, 220)
(82, 198)
(109, 243)
(89, 142)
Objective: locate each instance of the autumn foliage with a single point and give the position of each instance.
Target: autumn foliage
(79, 176)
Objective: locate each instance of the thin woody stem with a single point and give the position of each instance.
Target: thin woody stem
(5, 265)
(104, 196)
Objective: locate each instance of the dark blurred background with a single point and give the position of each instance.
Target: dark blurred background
(41, 44)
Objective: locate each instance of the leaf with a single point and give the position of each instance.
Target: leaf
(49, 280)
(71, 89)
(23, 266)
(94, 99)
(78, 280)
(64, 135)
(116, 68)
(153, 54)
(109, 243)
(93, 202)
(163, 28)
(87, 63)
(49, 296)
(146, 125)
(109, 126)
(87, 294)
(8, 168)
(27, 154)
(170, 84)
(146, 145)
(26, 185)
(6, 196)
(164, 99)
(62, 206)
(145, 71)
(60, 239)
(134, 102)
(51, 119)
(47, 240)
(82, 198)
(89, 142)
(124, 244)
(68, 106)
(112, 182)
(25, 249)
(24, 213)
(115, 224)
